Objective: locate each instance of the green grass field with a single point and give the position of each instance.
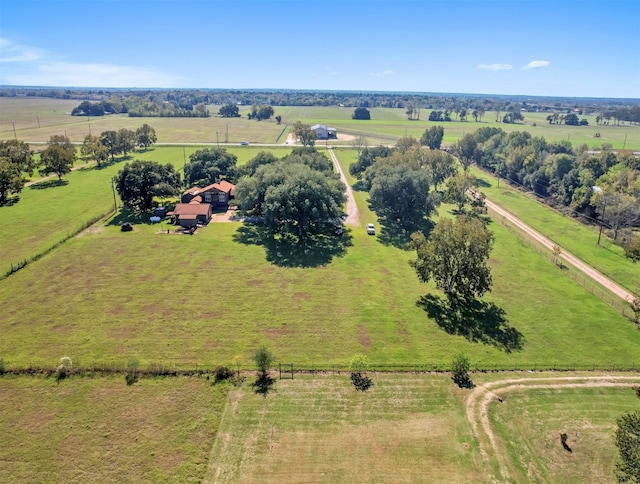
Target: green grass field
(530, 422)
(577, 238)
(101, 430)
(36, 119)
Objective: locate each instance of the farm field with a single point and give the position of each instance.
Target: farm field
(101, 430)
(529, 424)
(577, 238)
(386, 125)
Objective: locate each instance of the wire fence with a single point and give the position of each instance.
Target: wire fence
(198, 369)
(578, 276)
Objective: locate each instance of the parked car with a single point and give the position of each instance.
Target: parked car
(244, 143)
(371, 230)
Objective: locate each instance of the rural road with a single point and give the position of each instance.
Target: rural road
(477, 405)
(567, 256)
(353, 218)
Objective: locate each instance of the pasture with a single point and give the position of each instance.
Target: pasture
(36, 119)
(101, 430)
(529, 424)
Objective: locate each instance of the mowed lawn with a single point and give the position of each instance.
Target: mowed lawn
(530, 421)
(406, 428)
(577, 238)
(101, 430)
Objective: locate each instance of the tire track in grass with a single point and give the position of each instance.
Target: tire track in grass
(477, 406)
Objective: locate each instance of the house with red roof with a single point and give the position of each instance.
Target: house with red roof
(198, 203)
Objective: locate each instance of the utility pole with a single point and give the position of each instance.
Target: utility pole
(625, 141)
(217, 140)
(113, 189)
(184, 156)
(38, 121)
(14, 132)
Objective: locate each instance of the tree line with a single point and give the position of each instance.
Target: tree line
(17, 159)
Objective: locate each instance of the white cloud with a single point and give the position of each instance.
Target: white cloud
(31, 66)
(11, 52)
(91, 75)
(536, 63)
(386, 72)
(494, 67)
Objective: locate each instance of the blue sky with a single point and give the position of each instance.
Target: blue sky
(541, 47)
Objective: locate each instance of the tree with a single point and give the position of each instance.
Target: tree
(440, 165)
(458, 186)
(632, 248)
(126, 140)
(361, 113)
(304, 134)
(400, 194)
(19, 154)
(358, 364)
(210, 164)
(359, 143)
(140, 181)
(293, 198)
(627, 439)
(16, 158)
(263, 359)
(278, 119)
(262, 158)
(432, 137)
(368, 157)
(229, 111)
(261, 112)
(93, 149)
(110, 140)
(146, 136)
(634, 303)
(58, 157)
(460, 371)
(11, 179)
(571, 120)
(466, 149)
(455, 257)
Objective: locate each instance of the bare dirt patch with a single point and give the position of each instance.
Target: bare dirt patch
(363, 337)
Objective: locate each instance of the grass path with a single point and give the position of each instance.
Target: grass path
(477, 406)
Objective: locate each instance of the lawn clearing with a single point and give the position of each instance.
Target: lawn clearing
(530, 421)
(406, 428)
(577, 238)
(101, 430)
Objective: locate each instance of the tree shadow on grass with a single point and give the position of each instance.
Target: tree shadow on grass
(49, 184)
(287, 251)
(10, 201)
(477, 321)
(262, 385)
(129, 216)
(397, 233)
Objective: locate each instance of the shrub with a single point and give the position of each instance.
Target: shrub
(222, 373)
(132, 371)
(637, 389)
(63, 368)
(360, 381)
(126, 227)
(460, 371)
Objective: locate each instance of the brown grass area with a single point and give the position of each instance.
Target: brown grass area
(101, 430)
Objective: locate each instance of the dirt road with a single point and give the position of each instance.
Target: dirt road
(566, 256)
(353, 216)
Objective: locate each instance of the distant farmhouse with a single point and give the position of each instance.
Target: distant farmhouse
(323, 132)
(198, 203)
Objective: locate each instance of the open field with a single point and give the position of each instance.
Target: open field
(386, 125)
(529, 423)
(406, 428)
(108, 296)
(577, 238)
(101, 430)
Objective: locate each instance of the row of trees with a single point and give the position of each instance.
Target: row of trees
(112, 143)
(562, 174)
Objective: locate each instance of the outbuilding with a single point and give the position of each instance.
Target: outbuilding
(324, 132)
